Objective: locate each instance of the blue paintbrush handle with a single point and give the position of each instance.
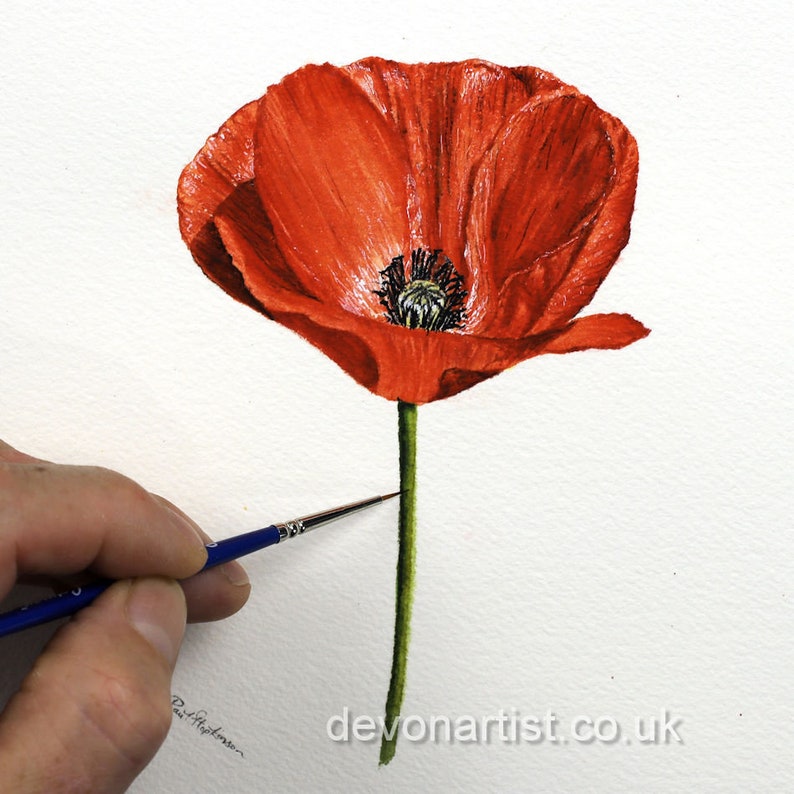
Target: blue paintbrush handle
(230, 549)
(72, 601)
(60, 606)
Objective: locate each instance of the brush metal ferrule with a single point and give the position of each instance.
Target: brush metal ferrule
(298, 526)
(289, 529)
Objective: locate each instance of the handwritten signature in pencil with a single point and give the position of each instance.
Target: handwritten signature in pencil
(198, 719)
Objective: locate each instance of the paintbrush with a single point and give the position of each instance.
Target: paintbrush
(71, 601)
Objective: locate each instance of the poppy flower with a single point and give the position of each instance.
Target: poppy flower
(426, 226)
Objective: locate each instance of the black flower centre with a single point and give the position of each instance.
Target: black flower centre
(431, 297)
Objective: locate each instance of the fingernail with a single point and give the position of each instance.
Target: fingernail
(235, 573)
(156, 609)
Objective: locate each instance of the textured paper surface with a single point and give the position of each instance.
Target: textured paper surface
(605, 534)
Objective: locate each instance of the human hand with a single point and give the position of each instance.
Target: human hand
(97, 704)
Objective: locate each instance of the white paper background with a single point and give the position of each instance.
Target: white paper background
(603, 533)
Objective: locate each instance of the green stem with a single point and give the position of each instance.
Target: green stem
(406, 573)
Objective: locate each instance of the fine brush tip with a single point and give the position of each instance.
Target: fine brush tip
(391, 495)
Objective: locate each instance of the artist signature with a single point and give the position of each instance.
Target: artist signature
(199, 720)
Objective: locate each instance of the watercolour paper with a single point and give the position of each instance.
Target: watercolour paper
(602, 538)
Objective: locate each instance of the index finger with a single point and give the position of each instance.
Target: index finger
(58, 520)
(11, 455)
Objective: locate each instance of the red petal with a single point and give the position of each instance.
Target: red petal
(542, 84)
(225, 161)
(219, 183)
(407, 364)
(602, 331)
(331, 174)
(449, 115)
(243, 210)
(392, 361)
(293, 307)
(537, 190)
(291, 258)
(605, 239)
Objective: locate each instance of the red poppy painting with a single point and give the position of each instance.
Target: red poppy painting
(426, 226)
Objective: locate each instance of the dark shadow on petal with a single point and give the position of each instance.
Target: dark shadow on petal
(539, 82)
(457, 380)
(347, 349)
(244, 211)
(208, 251)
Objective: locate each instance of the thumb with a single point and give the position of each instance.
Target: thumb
(97, 704)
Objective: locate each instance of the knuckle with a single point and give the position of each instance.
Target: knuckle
(122, 490)
(110, 478)
(12, 493)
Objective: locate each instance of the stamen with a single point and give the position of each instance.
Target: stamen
(432, 298)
